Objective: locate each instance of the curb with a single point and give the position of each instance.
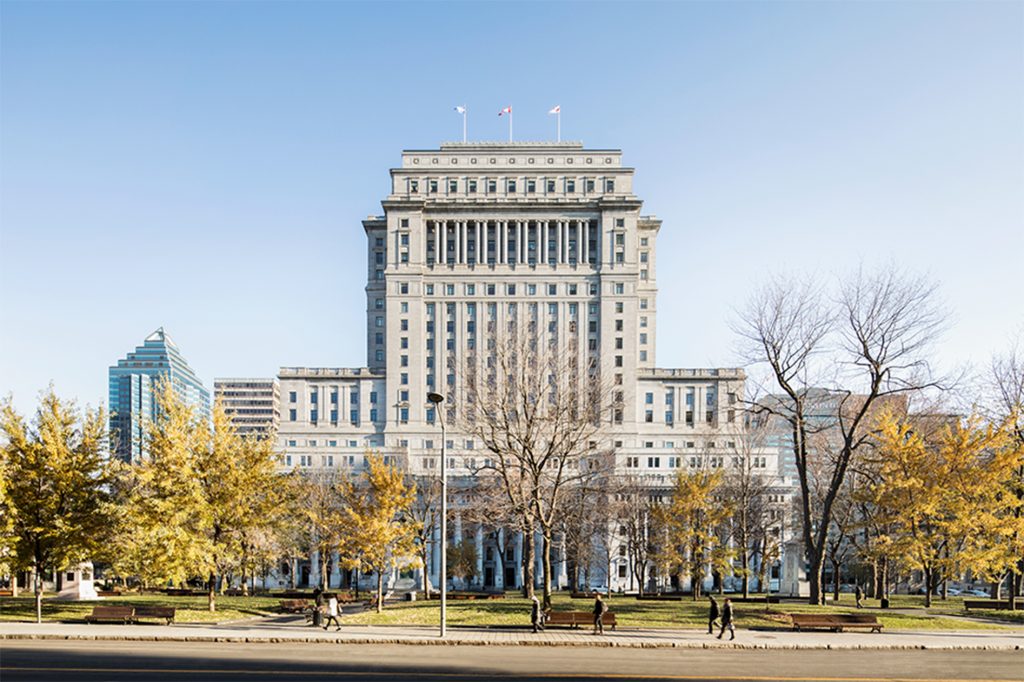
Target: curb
(522, 642)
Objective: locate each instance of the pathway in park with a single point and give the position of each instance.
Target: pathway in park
(280, 629)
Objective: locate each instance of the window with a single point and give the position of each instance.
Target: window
(403, 415)
(589, 185)
(404, 342)
(620, 288)
(643, 256)
(490, 290)
(314, 416)
(551, 185)
(643, 320)
(609, 185)
(379, 322)
(353, 416)
(404, 325)
(471, 290)
(492, 186)
(432, 187)
(572, 289)
(472, 186)
(414, 185)
(292, 396)
(552, 290)
(649, 398)
(619, 222)
(653, 462)
(403, 288)
(643, 304)
(643, 356)
(618, 343)
(618, 361)
(618, 325)
(378, 303)
(649, 416)
(619, 307)
(643, 339)
(291, 415)
(430, 290)
(379, 356)
(453, 186)
(510, 289)
(643, 242)
(404, 379)
(510, 185)
(404, 307)
(531, 186)
(570, 186)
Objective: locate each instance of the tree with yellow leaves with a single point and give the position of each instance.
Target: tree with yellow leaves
(692, 519)
(56, 480)
(377, 532)
(944, 501)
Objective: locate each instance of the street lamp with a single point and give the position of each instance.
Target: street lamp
(437, 399)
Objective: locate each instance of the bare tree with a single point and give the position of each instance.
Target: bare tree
(425, 512)
(538, 411)
(640, 524)
(875, 334)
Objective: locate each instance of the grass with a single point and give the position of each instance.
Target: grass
(630, 612)
(189, 609)
(907, 613)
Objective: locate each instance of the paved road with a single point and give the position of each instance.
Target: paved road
(113, 661)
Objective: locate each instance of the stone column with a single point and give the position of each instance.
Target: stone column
(543, 239)
(479, 248)
(457, 230)
(499, 575)
(478, 539)
(499, 241)
(558, 242)
(505, 252)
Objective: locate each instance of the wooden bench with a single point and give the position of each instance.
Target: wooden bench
(835, 622)
(575, 619)
(986, 604)
(294, 605)
(165, 613)
(111, 614)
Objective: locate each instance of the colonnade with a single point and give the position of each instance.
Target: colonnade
(508, 242)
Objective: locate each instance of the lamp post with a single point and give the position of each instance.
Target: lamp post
(437, 399)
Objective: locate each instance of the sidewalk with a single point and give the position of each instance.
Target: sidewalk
(275, 631)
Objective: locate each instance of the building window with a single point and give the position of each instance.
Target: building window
(620, 288)
(379, 321)
(404, 379)
(550, 186)
(531, 186)
(589, 185)
(643, 356)
(570, 186)
(492, 186)
(643, 339)
(403, 415)
(432, 187)
(609, 185)
(292, 396)
(472, 186)
(292, 415)
(453, 186)
(403, 288)
(314, 416)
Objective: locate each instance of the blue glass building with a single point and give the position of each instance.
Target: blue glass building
(133, 383)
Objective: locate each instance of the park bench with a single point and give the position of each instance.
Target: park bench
(836, 622)
(111, 614)
(165, 613)
(6, 593)
(986, 604)
(575, 619)
(294, 605)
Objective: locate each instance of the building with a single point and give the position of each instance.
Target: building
(474, 235)
(252, 405)
(132, 387)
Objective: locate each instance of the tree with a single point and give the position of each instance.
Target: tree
(376, 529)
(749, 488)
(425, 511)
(692, 517)
(57, 483)
(642, 529)
(538, 413)
(462, 560)
(320, 503)
(874, 337)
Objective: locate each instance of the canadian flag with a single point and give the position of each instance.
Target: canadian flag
(556, 110)
(506, 110)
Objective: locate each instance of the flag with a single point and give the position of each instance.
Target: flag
(461, 110)
(506, 110)
(556, 110)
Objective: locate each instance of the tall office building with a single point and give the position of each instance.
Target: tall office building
(132, 386)
(473, 237)
(252, 405)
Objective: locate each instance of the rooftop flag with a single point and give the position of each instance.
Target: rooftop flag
(508, 110)
(462, 110)
(557, 111)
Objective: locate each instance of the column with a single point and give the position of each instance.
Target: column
(457, 230)
(521, 241)
(585, 253)
(442, 247)
(499, 242)
(505, 252)
(558, 241)
(479, 242)
(543, 249)
(478, 541)
(499, 572)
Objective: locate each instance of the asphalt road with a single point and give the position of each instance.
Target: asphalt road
(110, 661)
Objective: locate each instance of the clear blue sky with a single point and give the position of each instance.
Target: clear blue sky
(205, 166)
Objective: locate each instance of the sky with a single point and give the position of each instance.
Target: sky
(204, 166)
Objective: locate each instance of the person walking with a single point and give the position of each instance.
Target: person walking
(332, 612)
(318, 607)
(600, 608)
(712, 614)
(859, 596)
(727, 620)
(536, 615)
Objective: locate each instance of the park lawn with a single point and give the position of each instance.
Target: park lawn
(630, 612)
(189, 609)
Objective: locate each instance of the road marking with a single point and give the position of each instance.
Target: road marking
(476, 675)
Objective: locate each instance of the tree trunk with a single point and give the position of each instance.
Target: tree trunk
(745, 559)
(426, 574)
(211, 594)
(927, 587)
(529, 555)
(546, 558)
(14, 584)
(37, 580)
(816, 559)
(380, 591)
(835, 580)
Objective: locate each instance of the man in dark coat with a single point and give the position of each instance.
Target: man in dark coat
(599, 610)
(712, 614)
(536, 615)
(727, 620)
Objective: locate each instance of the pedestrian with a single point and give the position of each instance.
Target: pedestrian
(712, 614)
(727, 620)
(859, 596)
(536, 615)
(332, 611)
(600, 608)
(318, 606)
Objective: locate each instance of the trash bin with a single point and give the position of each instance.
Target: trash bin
(885, 602)
(317, 618)
(410, 595)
